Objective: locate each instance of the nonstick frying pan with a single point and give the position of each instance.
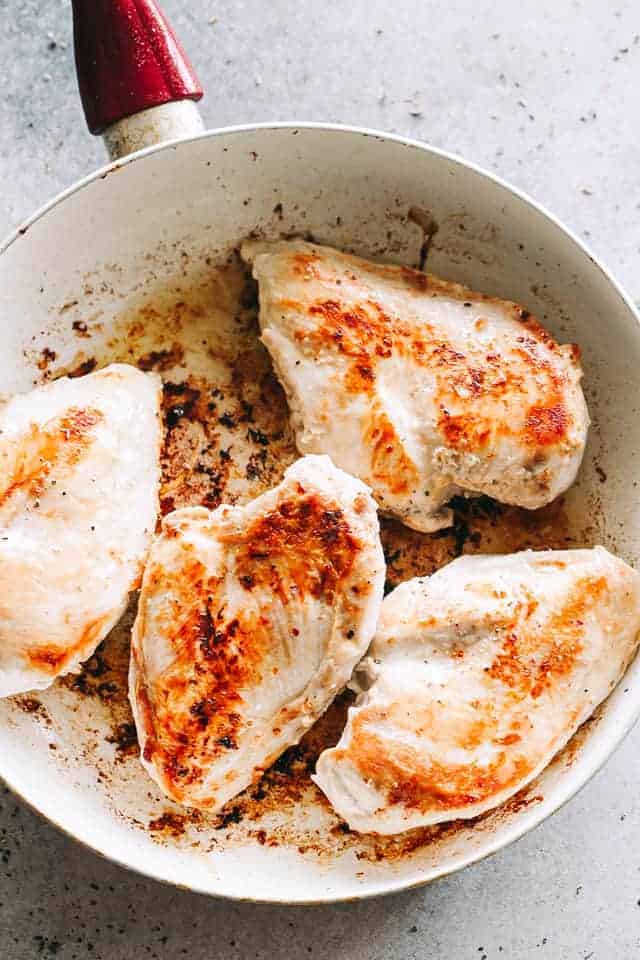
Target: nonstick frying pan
(137, 262)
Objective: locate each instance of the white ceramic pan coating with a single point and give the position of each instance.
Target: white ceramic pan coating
(125, 263)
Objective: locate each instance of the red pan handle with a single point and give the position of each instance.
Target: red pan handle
(128, 60)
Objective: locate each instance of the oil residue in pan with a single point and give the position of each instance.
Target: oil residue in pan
(228, 439)
(227, 435)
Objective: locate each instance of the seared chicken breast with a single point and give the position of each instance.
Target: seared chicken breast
(477, 676)
(418, 386)
(79, 474)
(251, 620)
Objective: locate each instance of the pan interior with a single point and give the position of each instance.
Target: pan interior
(162, 286)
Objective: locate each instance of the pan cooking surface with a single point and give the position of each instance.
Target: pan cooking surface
(227, 440)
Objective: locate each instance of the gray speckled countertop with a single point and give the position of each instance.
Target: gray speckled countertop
(547, 94)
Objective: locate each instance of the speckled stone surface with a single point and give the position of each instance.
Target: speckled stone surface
(547, 94)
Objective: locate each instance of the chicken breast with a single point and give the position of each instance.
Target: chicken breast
(251, 620)
(79, 474)
(418, 386)
(478, 676)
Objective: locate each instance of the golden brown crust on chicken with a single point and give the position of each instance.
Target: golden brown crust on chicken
(480, 674)
(419, 386)
(250, 620)
(79, 473)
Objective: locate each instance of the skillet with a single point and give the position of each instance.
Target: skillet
(138, 262)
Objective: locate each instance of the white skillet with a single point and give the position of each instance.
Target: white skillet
(150, 219)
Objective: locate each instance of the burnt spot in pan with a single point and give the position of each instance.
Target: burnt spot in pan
(47, 357)
(125, 739)
(31, 704)
(83, 368)
(428, 226)
(80, 328)
(161, 360)
(169, 824)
